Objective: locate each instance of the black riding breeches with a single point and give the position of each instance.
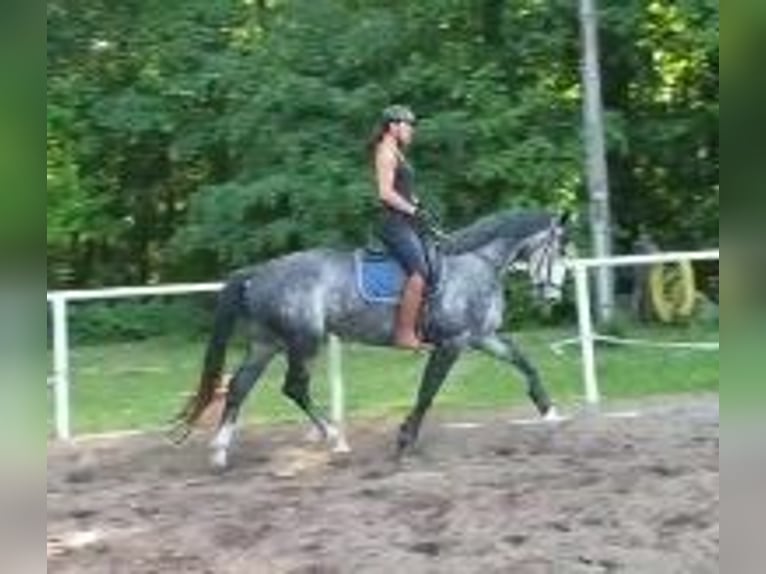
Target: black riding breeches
(405, 245)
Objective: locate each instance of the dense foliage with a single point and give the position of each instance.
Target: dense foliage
(186, 137)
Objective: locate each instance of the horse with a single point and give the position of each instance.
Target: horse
(291, 304)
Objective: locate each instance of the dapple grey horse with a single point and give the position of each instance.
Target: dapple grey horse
(292, 303)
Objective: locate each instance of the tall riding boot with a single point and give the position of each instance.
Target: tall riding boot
(409, 310)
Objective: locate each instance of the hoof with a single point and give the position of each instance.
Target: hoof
(219, 460)
(553, 416)
(341, 446)
(337, 439)
(403, 446)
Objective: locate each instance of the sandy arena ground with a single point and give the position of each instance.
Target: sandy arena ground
(589, 495)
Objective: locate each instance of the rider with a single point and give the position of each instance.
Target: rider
(395, 183)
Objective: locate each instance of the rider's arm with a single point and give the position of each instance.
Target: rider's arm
(385, 168)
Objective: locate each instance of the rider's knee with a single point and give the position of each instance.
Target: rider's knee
(417, 280)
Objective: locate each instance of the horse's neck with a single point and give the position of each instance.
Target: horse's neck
(501, 252)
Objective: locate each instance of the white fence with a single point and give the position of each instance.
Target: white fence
(587, 335)
(59, 301)
(61, 379)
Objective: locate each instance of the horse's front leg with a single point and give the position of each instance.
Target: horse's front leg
(439, 364)
(503, 347)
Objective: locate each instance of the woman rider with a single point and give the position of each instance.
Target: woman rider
(395, 184)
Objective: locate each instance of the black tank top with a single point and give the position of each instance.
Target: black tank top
(404, 180)
(404, 186)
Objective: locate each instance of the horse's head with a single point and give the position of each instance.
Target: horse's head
(538, 238)
(545, 253)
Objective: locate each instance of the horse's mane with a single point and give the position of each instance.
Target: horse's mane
(509, 223)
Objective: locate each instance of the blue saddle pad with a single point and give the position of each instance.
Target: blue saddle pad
(380, 278)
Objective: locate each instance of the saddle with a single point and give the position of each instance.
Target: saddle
(380, 277)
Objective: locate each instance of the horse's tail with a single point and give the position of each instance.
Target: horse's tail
(230, 302)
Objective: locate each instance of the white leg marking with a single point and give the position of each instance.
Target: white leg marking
(341, 444)
(331, 432)
(219, 458)
(553, 416)
(337, 438)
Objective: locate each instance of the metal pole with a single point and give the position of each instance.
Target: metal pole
(337, 394)
(585, 318)
(336, 380)
(61, 368)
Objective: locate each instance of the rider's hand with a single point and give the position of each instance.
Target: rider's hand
(426, 220)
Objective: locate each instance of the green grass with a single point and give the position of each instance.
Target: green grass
(141, 385)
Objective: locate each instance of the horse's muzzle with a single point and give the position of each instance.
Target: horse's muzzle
(549, 293)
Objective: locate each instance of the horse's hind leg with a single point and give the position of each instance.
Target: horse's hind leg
(296, 388)
(240, 386)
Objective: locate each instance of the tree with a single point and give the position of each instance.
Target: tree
(598, 178)
(186, 138)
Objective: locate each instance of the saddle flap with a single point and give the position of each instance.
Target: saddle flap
(380, 278)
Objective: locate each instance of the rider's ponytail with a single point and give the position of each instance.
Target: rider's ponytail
(380, 129)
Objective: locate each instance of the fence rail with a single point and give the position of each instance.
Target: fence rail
(587, 335)
(60, 300)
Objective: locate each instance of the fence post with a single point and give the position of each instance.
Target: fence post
(61, 368)
(585, 320)
(337, 394)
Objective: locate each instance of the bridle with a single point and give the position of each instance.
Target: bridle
(541, 260)
(540, 266)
